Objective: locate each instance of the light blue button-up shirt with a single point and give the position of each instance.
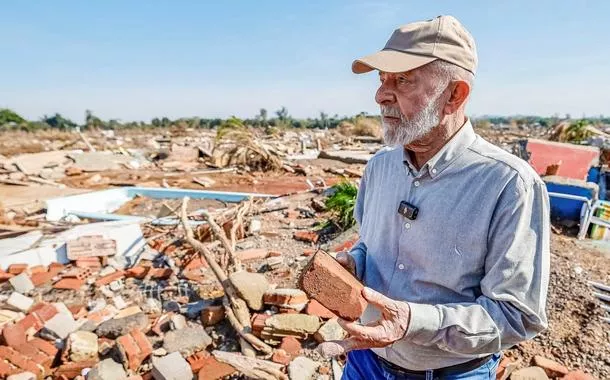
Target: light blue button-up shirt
(473, 265)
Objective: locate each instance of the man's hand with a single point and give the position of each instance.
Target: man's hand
(347, 261)
(392, 326)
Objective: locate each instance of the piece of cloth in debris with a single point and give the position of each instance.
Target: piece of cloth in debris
(473, 265)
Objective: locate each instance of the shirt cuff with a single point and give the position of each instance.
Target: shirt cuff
(359, 258)
(424, 323)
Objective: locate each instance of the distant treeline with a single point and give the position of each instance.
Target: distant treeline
(10, 120)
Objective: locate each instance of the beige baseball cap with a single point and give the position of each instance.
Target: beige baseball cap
(418, 43)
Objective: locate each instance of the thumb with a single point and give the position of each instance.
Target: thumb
(336, 348)
(375, 298)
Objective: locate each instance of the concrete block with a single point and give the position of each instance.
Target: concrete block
(20, 302)
(22, 283)
(171, 367)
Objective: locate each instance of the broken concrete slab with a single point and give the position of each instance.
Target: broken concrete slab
(22, 283)
(187, 340)
(113, 328)
(83, 346)
(20, 302)
(302, 368)
(107, 369)
(61, 325)
(251, 287)
(331, 330)
(171, 367)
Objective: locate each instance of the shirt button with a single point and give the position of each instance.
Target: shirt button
(433, 171)
(416, 183)
(407, 225)
(401, 266)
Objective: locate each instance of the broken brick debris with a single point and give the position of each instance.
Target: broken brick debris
(307, 236)
(325, 280)
(135, 347)
(89, 246)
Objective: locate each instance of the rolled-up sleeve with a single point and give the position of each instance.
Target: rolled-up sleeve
(511, 308)
(358, 251)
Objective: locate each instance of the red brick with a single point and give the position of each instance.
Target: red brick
(138, 272)
(208, 367)
(309, 252)
(4, 276)
(577, 375)
(258, 323)
(211, 315)
(19, 360)
(281, 357)
(135, 347)
(109, 278)
(41, 278)
(252, 254)
(161, 324)
(551, 367)
(160, 273)
(73, 369)
(274, 254)
(79, 273)
(317, 309)
(56, 267)
(196, 263)
(69, 283)
(88, 262)
(14, 335)
(31, 324)
(193, 275)
(44, 311)
(307, 236)
(17, 268)
(346, 246)
(33, 354)
(42, 345)
(291, 346)
(325, 280)
(37, 269)
(78, 311)
(285, 297)
(6, 369)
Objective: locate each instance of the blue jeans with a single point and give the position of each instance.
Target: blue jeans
(364, 365)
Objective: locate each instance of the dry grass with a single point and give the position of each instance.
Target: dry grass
(362, 126)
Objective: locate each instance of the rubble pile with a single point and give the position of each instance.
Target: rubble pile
(213, 291)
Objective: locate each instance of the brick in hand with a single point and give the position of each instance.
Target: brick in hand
(325, 280)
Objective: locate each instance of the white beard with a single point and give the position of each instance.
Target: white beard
(409, 130)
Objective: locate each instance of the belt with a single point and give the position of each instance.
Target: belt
(440, 372)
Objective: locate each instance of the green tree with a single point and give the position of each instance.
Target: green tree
(92, 121)
(58, 121)
(9, 116)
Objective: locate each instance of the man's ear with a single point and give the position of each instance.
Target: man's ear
(459, 94)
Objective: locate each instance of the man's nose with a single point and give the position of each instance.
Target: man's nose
(384, 95)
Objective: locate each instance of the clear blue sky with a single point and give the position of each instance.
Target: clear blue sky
(135, 60)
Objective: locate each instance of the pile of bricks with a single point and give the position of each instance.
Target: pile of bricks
(94, 318)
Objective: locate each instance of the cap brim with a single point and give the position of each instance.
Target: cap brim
(390, 61)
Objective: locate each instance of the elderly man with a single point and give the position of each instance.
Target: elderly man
(454, 231)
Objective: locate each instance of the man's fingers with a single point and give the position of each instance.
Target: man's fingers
(357, 330)
(375, 298)
(340, 347)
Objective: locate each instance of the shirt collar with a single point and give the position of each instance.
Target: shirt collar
(450, 151)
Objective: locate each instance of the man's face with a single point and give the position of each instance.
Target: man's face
(410, 105)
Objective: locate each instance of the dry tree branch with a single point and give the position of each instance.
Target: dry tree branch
(220, 235)
(258, 344)
(237, 310)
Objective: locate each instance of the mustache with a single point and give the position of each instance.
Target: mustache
(391, 112)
